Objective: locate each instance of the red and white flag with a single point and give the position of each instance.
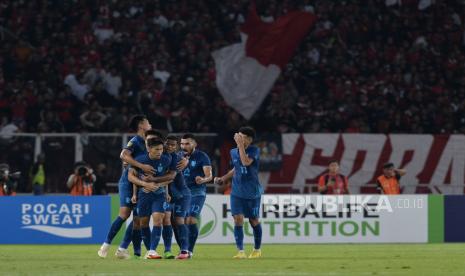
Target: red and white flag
(246, 71)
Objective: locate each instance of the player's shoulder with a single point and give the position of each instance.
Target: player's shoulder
(142, 158)
(173, 156)
(253, 148)
(166, 156)
(201, 154)
(136, 139)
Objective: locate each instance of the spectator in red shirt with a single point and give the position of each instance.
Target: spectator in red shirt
(333, 183)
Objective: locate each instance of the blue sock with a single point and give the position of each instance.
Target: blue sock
(127, 237)
(115, 226)
(145, 233)
(183, 233)
(155, 239)
(167, 237)
(239, 236)
(257, 235)
(193, 233)
(136, 241)
(176, 235)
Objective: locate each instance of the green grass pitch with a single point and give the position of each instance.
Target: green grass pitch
(326, 259)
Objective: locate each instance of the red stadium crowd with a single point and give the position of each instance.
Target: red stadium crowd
(365, 67)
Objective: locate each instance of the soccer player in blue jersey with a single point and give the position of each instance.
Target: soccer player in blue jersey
(135, 147)
(197, 173)
(151, 198)
(180, 200)
(181, 163)
(246, 190)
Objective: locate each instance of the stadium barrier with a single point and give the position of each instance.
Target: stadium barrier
(285, 219)
(62, 150)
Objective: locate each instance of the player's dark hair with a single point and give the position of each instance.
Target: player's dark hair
(249, 131)
(333, 161)
(188, 136)
(172, 138)
(153, 142)
(135, 121)
(156, 133)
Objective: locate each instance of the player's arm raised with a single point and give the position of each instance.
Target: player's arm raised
(126, 156)
(207, 171)
(245, 159)
(132, 177)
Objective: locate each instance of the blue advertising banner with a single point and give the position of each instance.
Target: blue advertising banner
(54, 219)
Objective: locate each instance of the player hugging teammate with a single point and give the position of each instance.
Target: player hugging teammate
(169, 186)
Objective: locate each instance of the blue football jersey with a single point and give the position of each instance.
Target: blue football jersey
(178, 188)
(197, 161)
(245, 183)
(137, 147)
(161, 166)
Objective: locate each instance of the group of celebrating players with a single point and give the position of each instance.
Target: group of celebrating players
(168, 184)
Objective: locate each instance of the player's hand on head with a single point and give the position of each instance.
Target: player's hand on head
(198, 180)
(238, 139)
(148, 169)
(182, 164)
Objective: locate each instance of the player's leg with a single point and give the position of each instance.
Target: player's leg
(123, 252)
(175, 227)
(144, 210)
(133, 233)
(238, 215)
(158, 213)
(167, 232)
(252, 211)
(180, 212)
(194, 212)
(124, 212)
(136, 234)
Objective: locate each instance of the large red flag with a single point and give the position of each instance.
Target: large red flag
(246, 71)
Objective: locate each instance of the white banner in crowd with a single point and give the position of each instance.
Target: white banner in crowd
(434, 163)
(323, 219)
